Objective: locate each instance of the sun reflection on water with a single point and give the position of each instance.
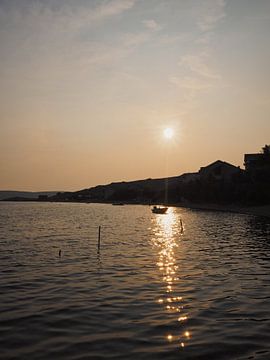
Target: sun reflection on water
(168, 229)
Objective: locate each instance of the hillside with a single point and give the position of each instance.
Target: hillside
(7, 194)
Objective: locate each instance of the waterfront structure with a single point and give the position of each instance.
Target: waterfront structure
(258, 164)
(219, 170)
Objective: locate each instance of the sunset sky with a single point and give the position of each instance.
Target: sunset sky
(88, 86)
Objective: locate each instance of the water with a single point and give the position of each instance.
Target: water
(155, 291)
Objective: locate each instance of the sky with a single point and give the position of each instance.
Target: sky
(88, 86)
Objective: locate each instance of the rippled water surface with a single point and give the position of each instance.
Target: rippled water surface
(185, 285)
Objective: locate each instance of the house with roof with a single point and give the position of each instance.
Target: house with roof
(219, 171)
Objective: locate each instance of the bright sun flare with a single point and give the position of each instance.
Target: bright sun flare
(168, 133)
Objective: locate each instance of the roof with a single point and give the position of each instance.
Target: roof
(218, 162)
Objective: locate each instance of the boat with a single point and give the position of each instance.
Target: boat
(159, 210)
(118, 204)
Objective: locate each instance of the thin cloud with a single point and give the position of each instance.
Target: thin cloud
(173, 39)
(99, 54)
(64, 18)
(197, 64)
(111, 8)
(135, 39)
(190, 83)
(197, 75)
(213, 12)
(152, 25)
(55, 33)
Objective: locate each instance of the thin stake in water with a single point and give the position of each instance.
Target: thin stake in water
(181, 226)
(99, 231)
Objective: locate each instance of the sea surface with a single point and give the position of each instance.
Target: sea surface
(185, 285)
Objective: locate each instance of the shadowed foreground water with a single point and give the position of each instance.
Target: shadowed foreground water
(155, 291)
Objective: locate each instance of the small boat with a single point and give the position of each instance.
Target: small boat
(159, 210)
(118, 204)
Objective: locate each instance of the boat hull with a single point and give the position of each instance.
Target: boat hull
(159, 210)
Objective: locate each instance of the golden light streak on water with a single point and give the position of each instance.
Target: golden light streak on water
(166, 240)
(182, 318)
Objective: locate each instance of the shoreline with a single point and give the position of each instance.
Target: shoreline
(262, 210)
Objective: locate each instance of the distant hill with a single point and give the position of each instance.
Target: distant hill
(139, 191)
(217, 183)
(6, 194)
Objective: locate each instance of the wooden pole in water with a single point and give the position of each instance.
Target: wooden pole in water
(181, 226)
(99, 230)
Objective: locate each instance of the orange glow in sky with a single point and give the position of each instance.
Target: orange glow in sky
(86, 87)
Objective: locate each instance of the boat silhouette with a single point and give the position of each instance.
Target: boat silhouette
(159, 209)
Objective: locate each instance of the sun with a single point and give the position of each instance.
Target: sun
(168, 133)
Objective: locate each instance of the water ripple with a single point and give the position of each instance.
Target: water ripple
(188, 284)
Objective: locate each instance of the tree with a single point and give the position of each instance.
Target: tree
(266, 150)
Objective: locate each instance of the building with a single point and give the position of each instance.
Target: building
(188, 178)
(258, 164)
(258, 161)
(219, 171)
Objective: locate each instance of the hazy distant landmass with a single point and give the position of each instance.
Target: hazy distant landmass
(10, 194)
(217, 183)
